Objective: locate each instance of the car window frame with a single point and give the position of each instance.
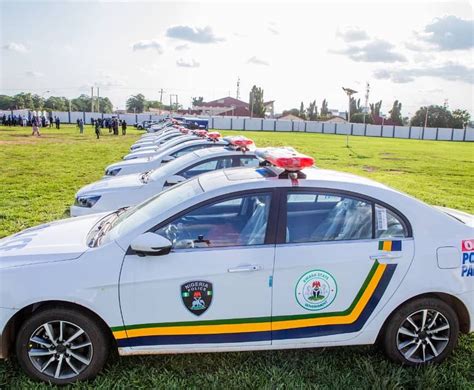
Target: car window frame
(272, 223)
(203, 162)
(281, 229)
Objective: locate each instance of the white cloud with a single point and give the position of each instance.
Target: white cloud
(449, 71)
(192, 63)
(34, 74)
(374, 51)
(148, 44)
(353, 34)
(449, 33)
(257, 61)
(193, 34)
(182, 47)
(16, 47)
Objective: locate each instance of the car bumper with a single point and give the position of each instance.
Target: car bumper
(5, 316)
(77, 211)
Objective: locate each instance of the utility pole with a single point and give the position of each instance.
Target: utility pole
(98, 100)
(366, 107)
(251, 104)
(161, 96)
(237, 95)
(92, 99)
(349, 92)
(426, 116)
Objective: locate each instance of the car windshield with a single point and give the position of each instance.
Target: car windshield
(172, 167)
(152, 207)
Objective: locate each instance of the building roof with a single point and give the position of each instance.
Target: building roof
(290, 117)
(225, 102)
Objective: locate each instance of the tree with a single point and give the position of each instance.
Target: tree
(375, 109)
(23, 100)
(292, 111)
(6, 102)
(105, 105)
(81, 103)
(38, 102)
(312, 111)
(154, 104)
(355, 106)
(136, 103)
(55, 103)
(324, 108)
(358, 117)
(302, 112)
(438, 116)
(396, 113)
(197, 101)
(256, 102)
(460, 119)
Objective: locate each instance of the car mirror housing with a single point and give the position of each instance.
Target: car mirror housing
(151, 244)
(175, 179)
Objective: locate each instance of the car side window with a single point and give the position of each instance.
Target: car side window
(186, 150)
(239, 221)
(206, 166)
(388, 224)
(248, 162)
(313, 217)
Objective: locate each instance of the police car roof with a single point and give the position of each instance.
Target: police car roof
(232, 176)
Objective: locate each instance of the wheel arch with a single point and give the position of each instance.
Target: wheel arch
(458, 306)
(11, 328)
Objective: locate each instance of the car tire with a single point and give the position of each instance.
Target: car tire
(420, 332)
(80, 357)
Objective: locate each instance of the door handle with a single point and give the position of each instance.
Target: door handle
(385, 257)
(245, 268)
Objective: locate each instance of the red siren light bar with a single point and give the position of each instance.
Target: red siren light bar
(183, 130)
(239, 141)
(286, 158)
(213, 135)
(200, 133)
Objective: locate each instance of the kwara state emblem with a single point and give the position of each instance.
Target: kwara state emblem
(315, 290)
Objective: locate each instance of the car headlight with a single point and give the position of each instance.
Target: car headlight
(112, 172)
(86, 200)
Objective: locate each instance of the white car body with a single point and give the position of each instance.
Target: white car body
(129, 190)
(156, 140)
(144, 164)
(153, 150)
(256, 302)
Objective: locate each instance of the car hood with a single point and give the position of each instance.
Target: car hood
(126, 163)
(55, 241)
(129, 182)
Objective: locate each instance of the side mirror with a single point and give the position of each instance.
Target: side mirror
(151, 244)
(175, 179)
(167, 159)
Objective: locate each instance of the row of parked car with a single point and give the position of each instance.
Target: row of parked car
(198, 243)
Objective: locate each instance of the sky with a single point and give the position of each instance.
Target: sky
(419, 52)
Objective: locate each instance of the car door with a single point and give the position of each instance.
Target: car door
(339, 258)
(213, 289)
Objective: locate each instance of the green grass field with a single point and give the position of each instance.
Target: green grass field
(38, 180)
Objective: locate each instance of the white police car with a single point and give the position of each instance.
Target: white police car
(240, 259)
(129, 190)
(144, 164)
(150, 151)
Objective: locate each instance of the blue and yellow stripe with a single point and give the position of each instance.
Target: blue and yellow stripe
(264, 328)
